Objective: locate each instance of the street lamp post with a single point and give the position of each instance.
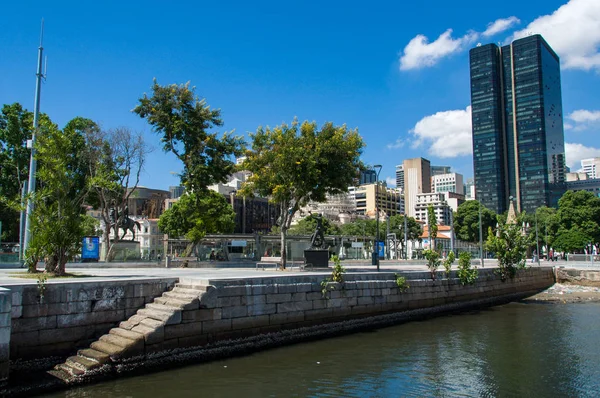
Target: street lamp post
(375, 259)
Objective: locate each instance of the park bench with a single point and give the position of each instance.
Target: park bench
(268, 261)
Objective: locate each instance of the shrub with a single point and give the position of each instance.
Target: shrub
(466, 273)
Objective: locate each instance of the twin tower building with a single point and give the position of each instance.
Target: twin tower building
(517, 119)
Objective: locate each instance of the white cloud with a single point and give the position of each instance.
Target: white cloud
(583, 120)
(448, 133)
(500, 25)
(573, 31)
(575, 152)
(419, 53)
(399, 143)
(583, 116)
(390, 181)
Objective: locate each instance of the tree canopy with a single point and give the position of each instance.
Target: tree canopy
(466, 221)
(196, 214)
(297, 163)
(308, 224)
(578, 219)
(184, 122)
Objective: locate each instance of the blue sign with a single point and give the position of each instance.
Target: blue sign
(91, 248)
(381, 249)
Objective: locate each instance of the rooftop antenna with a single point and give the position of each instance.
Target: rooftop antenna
(31, 144)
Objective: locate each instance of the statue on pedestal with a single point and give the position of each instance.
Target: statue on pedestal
(123, 222)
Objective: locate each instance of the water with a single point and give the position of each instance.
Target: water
(515, 350)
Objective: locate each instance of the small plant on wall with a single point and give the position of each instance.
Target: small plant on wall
(448, 263)
(401, 283)
(337, 275)
(433, 261)
(466, 273)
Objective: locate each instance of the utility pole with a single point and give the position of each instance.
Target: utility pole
(451, 232)
(537, 241)
(405, 238)
(375, 259)
(33, 162)
(480, 237)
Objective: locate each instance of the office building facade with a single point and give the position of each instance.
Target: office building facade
(518, 138)
(400, 177)
(417, 179)
(451, 182)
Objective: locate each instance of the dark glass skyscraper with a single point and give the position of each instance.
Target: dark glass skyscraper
(518, 139)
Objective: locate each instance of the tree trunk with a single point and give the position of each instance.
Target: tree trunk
(189, 249)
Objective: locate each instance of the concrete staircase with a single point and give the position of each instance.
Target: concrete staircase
(133, 336)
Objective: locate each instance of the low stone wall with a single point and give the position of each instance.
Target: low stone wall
(5, 326)
(71, 315)
(246, 307)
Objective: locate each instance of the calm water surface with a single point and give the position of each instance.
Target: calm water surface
(515, 350)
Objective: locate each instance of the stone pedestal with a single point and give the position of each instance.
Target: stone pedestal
(125, 250)
(319, 258)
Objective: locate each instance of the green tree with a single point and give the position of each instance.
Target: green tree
(432, 227)
(183, 122)
(16, 126)
(466, 221)
(510, 246)
(195, 215)
(547, 223)
(466, 273)
(294, 164)
(56, 222)
(308, 224)
(578, 221)
(433, 261)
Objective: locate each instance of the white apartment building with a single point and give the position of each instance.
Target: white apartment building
(591, 167)
(449, 182)
(440, 207)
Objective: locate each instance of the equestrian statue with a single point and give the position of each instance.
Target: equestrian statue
(122, 221)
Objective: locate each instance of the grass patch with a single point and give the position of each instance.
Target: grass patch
(51, 275)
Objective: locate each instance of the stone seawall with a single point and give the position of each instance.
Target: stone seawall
(5, 327)
(70, 315)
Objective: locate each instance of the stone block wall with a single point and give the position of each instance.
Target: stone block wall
(71, 315)
(247, 307)
(5, 326)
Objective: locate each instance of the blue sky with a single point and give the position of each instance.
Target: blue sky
(398, 71)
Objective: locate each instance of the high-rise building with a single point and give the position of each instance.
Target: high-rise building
(451, 182)
(417, 179)
(518, 138)
(370, 197)
(400, 177)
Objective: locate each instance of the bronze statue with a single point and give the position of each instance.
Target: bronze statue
(122, 222)
(317, 239)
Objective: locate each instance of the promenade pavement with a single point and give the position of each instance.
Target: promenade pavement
(94, 272)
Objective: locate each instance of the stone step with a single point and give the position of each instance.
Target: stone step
(191, 287)
(61, 375)
(82, 363)
(133, 321)
(192, 304)
(190, 292)
(128, 334)
(107, 348)
(117, 340)
(162, 307)
(152, 323)
(95, 355)
(180, 296)
(167, 318)
(70, 370)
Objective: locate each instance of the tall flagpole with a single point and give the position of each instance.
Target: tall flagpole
(33, 162)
